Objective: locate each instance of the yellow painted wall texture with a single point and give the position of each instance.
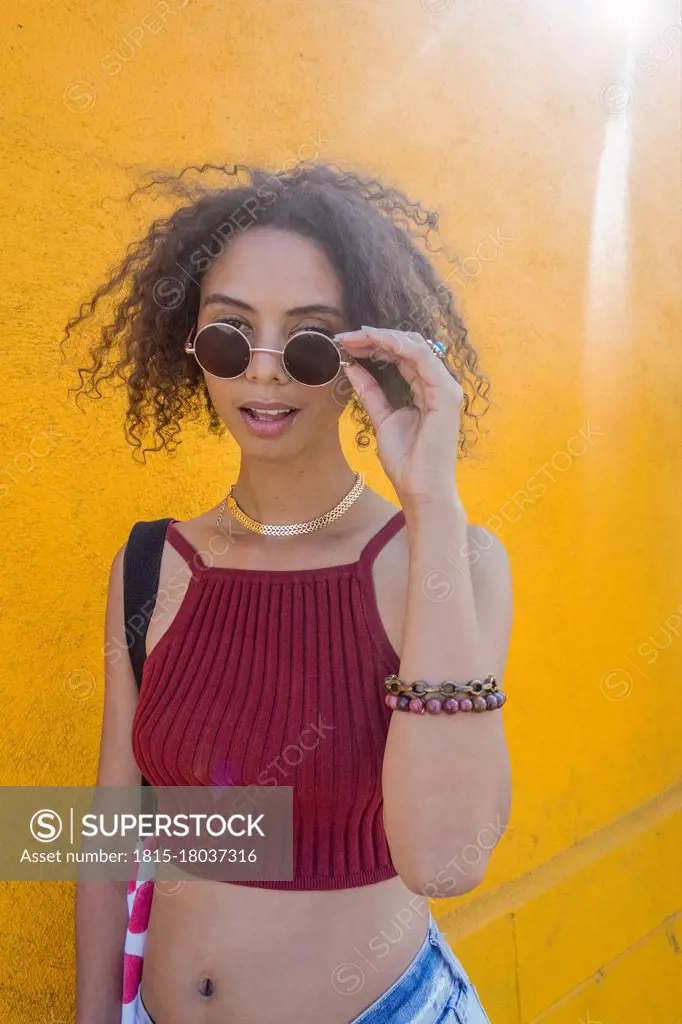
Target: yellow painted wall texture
(548, 137)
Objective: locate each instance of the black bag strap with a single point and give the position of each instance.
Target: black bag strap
(141, 568)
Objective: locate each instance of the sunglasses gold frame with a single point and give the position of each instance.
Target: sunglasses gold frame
(190, 349)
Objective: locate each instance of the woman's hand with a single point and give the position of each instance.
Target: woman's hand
(417, 445)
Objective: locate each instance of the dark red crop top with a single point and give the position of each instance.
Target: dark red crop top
(252, 658)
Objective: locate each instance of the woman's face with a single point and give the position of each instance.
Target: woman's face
(268, 283)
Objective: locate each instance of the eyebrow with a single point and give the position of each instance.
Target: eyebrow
(220, 298)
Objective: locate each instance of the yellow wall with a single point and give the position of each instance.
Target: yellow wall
(517, 119)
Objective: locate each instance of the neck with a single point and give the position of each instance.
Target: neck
(294, 491)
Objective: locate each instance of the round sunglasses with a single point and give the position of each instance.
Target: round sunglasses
(309, 357)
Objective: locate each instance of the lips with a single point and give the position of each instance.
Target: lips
(268, 415)
(268, 422)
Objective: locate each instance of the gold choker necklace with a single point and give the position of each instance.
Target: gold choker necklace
(287, 529)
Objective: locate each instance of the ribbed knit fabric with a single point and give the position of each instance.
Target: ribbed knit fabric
(257, 668)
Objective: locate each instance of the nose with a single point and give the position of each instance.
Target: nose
(266, 366)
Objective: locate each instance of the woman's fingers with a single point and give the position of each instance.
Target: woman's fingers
(369, 393)
(423, 370)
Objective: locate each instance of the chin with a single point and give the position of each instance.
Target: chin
(272, 451)
(277, 449)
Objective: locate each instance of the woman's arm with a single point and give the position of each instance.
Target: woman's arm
(446, 779)
(101, 907)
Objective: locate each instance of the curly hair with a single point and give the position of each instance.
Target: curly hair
(367, 231)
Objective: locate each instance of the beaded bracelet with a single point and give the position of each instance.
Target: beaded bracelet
(419, 697)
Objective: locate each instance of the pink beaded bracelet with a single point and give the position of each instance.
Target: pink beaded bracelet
(419, 697)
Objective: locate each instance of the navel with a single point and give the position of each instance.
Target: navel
(206, 987)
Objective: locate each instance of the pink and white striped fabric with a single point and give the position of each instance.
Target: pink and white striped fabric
(140, 894)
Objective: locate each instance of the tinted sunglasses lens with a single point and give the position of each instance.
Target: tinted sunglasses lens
(222, 351)
(312, 359)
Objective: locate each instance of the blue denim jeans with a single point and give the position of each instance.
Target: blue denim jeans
(433, 989)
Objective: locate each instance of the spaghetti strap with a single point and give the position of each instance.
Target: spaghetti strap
(381, 538)
(185, 548)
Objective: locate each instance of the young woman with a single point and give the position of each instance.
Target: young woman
(270, 305)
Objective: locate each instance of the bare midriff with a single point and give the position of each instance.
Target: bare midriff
(217, 952)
